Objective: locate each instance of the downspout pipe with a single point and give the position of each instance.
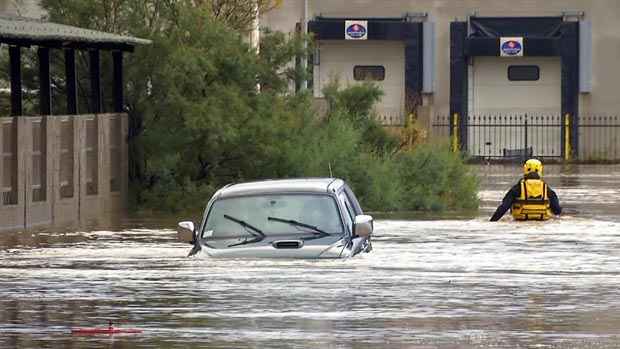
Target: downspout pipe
(304, 27)
(255, 34)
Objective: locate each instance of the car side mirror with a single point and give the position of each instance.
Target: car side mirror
(363, 226)
(185, 231)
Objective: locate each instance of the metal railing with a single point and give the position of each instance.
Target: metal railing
(599, 138)
(515, 137)
(388, 116)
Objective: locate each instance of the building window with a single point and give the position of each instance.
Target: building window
(369, 73)
(523, 73)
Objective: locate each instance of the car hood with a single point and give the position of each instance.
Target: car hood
(285, 246)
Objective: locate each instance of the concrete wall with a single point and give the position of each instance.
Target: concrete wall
(79, 162)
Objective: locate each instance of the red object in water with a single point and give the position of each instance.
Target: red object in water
(103, 330)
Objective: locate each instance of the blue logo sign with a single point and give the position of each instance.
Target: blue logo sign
(511, 48)
(356, 31)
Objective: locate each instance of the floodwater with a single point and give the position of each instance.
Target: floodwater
(428, 283)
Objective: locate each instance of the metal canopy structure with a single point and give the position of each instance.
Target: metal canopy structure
(19, 32)
(32, 32)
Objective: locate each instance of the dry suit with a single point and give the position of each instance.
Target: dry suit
(530, 199)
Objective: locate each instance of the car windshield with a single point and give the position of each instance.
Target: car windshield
(242, 216)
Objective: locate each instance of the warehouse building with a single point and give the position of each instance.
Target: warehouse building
(511, 74)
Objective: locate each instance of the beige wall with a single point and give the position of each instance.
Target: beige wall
(338, 60)
(23, 8)
(603, 14)
(82, 207)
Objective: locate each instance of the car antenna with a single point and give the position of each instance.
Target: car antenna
(329, 164)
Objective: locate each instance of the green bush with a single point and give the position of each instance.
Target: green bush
(170, 195)
(434, 178)
(354, 105)
(429, 178)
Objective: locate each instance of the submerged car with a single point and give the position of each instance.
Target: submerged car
(289, 218)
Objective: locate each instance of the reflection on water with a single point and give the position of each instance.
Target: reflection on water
(443, 283)
(591, 191)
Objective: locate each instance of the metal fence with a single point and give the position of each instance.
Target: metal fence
(599, 138)
(515, 137)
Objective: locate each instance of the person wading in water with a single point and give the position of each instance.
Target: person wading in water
(531, 198)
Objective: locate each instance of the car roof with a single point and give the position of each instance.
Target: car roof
(297, 185)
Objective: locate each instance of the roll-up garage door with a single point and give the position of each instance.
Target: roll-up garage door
(504, 94)
(381, 62)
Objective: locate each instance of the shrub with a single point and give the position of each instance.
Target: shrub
(425, 177)
(428, 177)
(434, 178)
(354, 105)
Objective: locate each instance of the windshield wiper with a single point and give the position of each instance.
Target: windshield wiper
(316, 230)
(254, 231)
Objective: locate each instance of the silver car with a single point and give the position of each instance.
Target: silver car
(289, 218)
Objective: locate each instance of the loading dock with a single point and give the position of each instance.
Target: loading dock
(391, 47)
(550, 43)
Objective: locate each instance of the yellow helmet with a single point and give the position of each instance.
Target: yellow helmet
(533, 165)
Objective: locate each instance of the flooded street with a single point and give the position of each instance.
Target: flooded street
(428, 283)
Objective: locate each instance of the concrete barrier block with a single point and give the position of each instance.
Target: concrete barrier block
(114, 163)
(125, 161)
(90, 170)
(11, 214)
(84, 143)
(65, 201)
(38, 209)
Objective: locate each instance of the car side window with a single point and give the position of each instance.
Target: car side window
(349, 213)
(355, 205)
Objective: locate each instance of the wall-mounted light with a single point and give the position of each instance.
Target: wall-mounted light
(415, 16)
(573, 15)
